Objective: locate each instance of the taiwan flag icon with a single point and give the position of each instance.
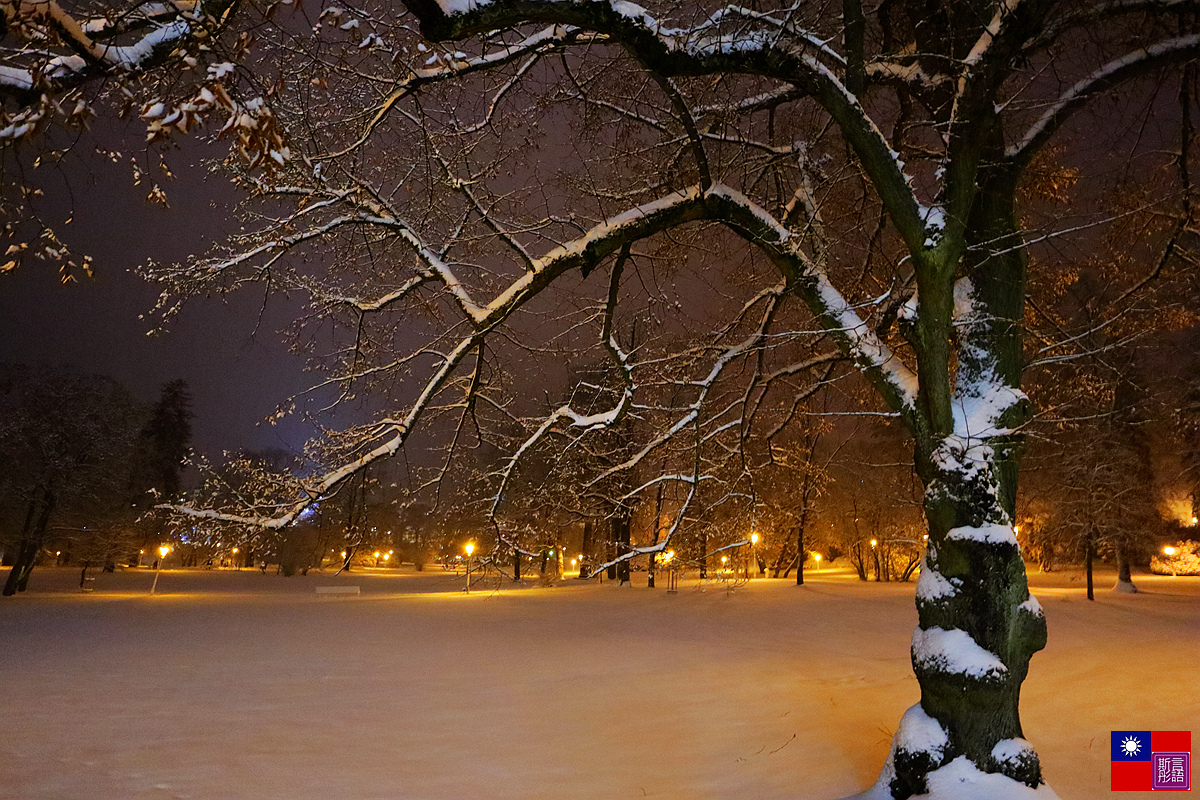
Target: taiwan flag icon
(1144, 761)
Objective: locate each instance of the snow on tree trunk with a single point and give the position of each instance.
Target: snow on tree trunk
(978, 628)
(1124, 574)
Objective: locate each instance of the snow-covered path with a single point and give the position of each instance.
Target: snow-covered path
(239, 685)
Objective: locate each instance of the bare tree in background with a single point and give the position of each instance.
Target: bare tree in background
(67, 449)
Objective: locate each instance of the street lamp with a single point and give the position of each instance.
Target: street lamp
(753, 560)
(672, 575)
(470, 548)
(1170, 551)
(817, 558)
(162, 555)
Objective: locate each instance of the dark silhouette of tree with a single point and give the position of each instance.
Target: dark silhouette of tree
(164, 442)
(66, 444)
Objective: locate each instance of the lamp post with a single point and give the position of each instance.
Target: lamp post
(753, 559)
(875, 552)
(162, 556)
(470, 551)
(817, 558)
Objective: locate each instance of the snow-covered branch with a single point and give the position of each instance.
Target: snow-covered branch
(699, 50)
(542, 41)
(148, 35)
(1115, 72)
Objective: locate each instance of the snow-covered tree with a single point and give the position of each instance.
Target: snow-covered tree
(67, 447)
(838, 180)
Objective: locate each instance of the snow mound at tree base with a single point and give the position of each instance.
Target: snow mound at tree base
(961, 780)
(1125, 587)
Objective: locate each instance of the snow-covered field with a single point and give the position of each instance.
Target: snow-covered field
(230, 685)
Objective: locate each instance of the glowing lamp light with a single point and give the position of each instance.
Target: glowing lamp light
(1168, 550)
(235, 551)
(817, 557)
(874, 542)
(386, 556)
(377, 554)
(724, 559)
(470, 548)
(754, 538)
(162, 556)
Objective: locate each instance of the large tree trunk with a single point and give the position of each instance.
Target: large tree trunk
(1089, 558)
(784, 559)
(18, 576)
(800, 547)
(37, 520)
(585, 549)
(658, 530)
(1124, 572)
(610, 552)
(622, 525)
(979, 626)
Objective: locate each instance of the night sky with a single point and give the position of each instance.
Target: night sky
(237, 375)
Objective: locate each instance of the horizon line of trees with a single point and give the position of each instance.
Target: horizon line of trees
(82, 463)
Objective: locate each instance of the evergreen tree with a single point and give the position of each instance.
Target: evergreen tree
(164, 441)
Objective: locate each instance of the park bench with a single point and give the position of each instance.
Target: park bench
(336, 590)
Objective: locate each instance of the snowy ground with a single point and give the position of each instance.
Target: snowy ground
(241, 685)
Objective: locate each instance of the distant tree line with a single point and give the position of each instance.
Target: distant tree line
(82, 462)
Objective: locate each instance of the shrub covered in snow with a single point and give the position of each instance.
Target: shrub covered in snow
(1181, 558)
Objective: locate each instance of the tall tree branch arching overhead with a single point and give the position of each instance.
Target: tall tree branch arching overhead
(682, 138)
